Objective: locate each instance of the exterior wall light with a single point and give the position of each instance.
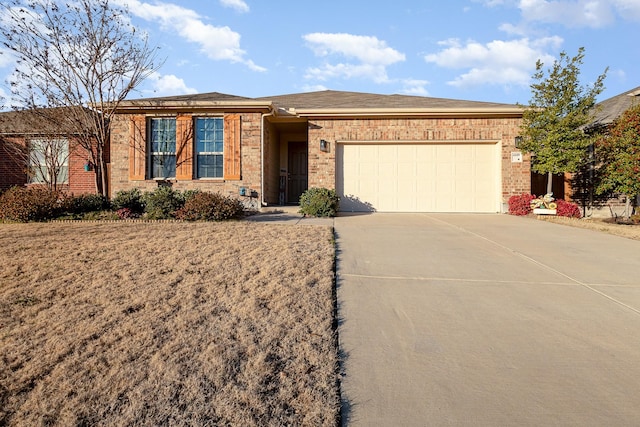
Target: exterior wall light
(324, 145)
(518, 141)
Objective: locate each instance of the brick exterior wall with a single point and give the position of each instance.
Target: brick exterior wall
(516, 177)
(13, 172)
(80, 180)
(250, 162)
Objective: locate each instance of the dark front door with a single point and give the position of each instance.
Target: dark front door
(297, 171)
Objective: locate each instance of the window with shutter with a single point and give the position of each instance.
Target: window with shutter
(137, 148)
(184, 143)
(209, 147)
(162, 148)
(232, 147)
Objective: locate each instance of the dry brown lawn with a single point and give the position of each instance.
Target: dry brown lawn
(624, 230)
(167, 324)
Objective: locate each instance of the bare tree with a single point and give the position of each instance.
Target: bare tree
(82, 55)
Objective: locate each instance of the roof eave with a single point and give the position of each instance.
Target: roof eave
(410, 112)
(227, 106)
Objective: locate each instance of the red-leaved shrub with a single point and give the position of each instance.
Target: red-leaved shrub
(520, 205)
(210, 207)
(567, 209)
(24, 204)
(125, 213)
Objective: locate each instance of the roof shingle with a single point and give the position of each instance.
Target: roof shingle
(610, 109)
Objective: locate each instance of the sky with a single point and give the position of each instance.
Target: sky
(482, 50)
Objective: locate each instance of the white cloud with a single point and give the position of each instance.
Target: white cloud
(368, 57)
(217, 43)
(580, 13)
(520, 30)
(619, 74)
(497, 62)
(377, 73)
(7, 59)
(415, 87)
(628, 9)
(168, 84)
(573, 13)
(313, 88)
(366, 49)
(238, 5)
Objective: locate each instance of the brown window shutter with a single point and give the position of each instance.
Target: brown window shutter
(137, 148)
(232, 146)
(184, 147)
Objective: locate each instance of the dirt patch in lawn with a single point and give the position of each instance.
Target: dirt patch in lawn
(167, 324)
(630, 231)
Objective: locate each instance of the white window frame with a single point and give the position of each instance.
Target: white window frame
(153, 154)
(40, 151)
(197, 153)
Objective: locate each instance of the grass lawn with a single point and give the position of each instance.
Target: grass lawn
(167, 324)
(605, 225)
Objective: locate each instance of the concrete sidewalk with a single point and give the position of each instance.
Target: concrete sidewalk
(486, 320)
(287, 215)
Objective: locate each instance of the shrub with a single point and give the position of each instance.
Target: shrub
(187, 194)
(130, 199)
(125, 213)
(204, 206)
(162, 203)
(319, 202)
(520, 205)
(23, 204)
(567, 209)
(87, 203)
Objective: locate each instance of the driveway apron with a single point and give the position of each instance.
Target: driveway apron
(486, 320)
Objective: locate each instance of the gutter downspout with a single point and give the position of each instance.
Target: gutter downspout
(263, 202)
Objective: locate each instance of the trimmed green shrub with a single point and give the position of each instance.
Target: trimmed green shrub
(24, 204)
(319, 202)
(162, 203)
(87, 203)
(130, 199)
(207, 206)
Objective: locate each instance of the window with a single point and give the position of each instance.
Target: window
(209, 147)
(162, 135)
(49, 161)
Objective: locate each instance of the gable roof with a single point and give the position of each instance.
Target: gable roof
(45, 121)
(331, 100)
(210, 100)
(328, 103)
(197, 97)
(610, 109)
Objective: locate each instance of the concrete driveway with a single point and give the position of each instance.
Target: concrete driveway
(486, 320)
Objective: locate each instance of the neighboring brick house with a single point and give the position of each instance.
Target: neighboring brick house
(21, 132)
(393, 153)
(606, 112)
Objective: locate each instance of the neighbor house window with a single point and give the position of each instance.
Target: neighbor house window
(49, 161)
(162, 136)
(209, 147)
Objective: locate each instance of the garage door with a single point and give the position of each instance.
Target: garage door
(418, 177)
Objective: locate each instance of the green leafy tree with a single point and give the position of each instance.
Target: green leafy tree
(558, 110)
(618, 154)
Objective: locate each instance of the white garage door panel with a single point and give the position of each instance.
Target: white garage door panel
(418, 178)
